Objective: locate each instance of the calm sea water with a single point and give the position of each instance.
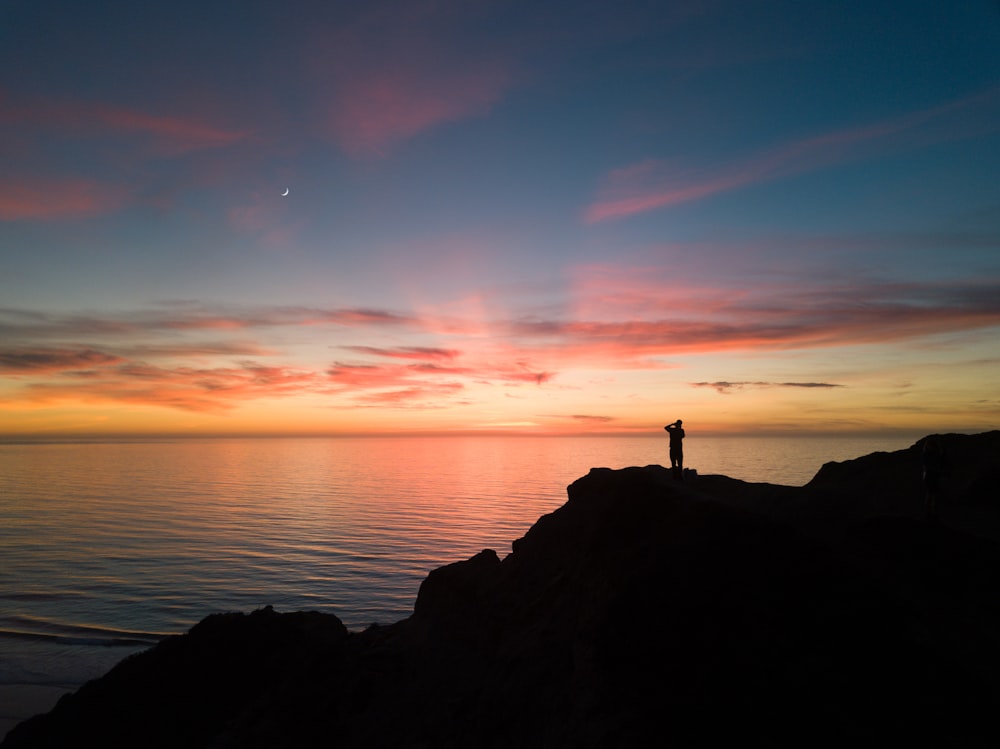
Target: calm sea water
(106, 547)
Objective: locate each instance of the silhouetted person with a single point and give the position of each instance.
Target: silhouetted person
(934, 461)
(676, 432)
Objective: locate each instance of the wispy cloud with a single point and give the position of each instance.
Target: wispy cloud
(423, 396)
(725, 387)
(137, 358)
(375, 111)
(633, 314)
(406, 352)
(372, 376)
(22, 324)
(776, 318)
(208, 389)
(392, 74)
(654, 184)
(31, 189)
(19, 360)
(167, 133)
(58, 198)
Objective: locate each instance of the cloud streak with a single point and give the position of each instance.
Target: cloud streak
(374, 376)
(168, 134)
(633, 318)
(18, 324)
(725, 387)
(406, 352)
(653, 184)
(393, 74)
(207, 389)
(379, 109)
(129, 139)
(60, 198)
(16, 361)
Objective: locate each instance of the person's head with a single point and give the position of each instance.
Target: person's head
(678, 422)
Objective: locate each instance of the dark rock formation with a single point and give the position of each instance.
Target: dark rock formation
(644, 610)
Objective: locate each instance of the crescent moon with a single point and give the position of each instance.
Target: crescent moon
(285, 193)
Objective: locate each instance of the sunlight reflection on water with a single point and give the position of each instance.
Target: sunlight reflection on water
(152, 536)
(117, 544)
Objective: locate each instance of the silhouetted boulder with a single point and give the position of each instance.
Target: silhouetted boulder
(642, 611)
(194, 687)
(891, 482)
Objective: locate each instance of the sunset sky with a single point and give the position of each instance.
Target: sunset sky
(533, 216)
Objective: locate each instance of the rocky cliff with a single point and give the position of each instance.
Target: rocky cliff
(642, 610)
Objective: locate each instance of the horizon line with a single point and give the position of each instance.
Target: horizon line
(52, 438)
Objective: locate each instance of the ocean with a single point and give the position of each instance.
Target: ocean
(106, 547)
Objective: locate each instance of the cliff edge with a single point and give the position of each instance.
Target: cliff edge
(642, 610)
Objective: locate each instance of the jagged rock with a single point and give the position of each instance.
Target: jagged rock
(643, 611)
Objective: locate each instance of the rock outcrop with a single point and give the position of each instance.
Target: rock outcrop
(644, 610)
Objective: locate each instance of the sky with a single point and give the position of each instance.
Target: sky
(539, 217)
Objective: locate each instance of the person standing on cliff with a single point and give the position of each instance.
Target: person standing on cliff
(676, 432)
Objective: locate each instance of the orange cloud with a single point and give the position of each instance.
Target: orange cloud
(406, 352)
(186, 388)
(422, 396)
(370, 375)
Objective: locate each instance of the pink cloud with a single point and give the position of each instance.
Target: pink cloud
(391, 75)
(648, 185)
(616, 292)
(170, 133)
(770, 317)
(374, 112)
(63, 197)
(257, 214)
(653, 184)
(34, 199)
(174, 134)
